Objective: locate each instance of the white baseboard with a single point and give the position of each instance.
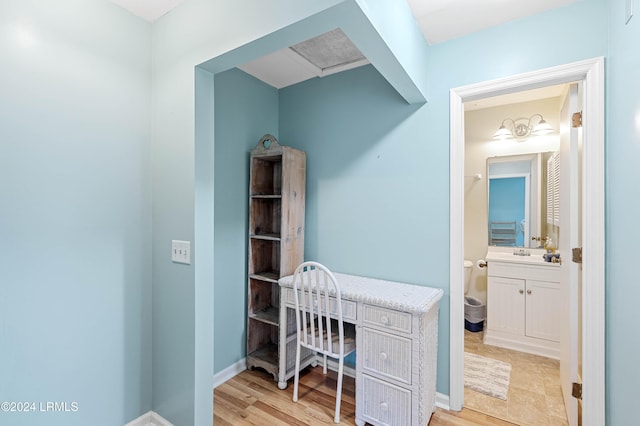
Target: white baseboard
(237, 368)
(150, 418)
(442, 401)
(158, 420)
(526, 344)
(229, 372)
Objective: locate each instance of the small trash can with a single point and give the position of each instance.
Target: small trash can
(474, 314)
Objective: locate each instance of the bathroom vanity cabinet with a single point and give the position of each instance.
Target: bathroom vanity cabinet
(523, 306)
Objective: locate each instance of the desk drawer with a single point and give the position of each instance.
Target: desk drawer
(387, 318)
(386, 404)
(348, 307)
(386, 354)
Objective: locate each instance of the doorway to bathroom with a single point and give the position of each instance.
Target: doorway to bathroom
(590, 75)
(520, 336)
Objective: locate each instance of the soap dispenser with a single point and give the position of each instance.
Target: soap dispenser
(549, 246)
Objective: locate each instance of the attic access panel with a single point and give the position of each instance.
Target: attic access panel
(329, 50)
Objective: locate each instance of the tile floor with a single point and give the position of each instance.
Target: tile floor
(535, 396)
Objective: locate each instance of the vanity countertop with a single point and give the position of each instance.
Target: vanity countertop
(507, 255)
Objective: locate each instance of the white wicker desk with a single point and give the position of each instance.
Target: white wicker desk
(397, 345)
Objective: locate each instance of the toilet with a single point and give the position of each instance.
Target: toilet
(474, 309)
(468, 267)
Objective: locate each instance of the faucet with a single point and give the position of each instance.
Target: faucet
(539, 240)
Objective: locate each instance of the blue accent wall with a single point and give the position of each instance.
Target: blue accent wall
(506, 203)
(75, 265)
(368, 182)
(246, 109)
(623, 205)
(363, 157)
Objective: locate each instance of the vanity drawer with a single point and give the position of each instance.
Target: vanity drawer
(550, 273)
(386, 354)
(387, 318)
(386, 404)
(348, 307)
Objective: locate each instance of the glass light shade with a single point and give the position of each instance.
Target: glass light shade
(503, 133)
(542, 128)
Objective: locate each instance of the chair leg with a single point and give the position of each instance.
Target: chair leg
(297, 374)
(336, 418)
(324, 368)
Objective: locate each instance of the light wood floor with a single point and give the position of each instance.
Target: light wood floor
(253, 398)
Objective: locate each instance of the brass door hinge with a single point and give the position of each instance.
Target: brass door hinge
(576, 255)
(576, 119)
(576, 390)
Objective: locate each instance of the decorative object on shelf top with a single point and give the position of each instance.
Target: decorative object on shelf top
(523, 127)
(267, 143)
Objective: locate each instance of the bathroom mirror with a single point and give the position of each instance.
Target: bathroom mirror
(520, 200)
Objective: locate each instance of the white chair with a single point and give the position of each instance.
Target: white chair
(319, 321)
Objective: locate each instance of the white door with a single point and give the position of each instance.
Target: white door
(570, 236)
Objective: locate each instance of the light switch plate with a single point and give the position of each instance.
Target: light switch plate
(181, 251)
(628, 11)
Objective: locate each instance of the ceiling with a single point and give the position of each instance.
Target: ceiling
(320, 56)
(149, 10)
(442, 20)
(439, 20)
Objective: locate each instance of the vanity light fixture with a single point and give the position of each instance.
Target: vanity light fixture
(520, 128)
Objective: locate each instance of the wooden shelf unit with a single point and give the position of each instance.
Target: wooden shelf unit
(276, 242)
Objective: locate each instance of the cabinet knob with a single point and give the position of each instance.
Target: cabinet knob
(384, 320)
(383, 356)
(521, 291)
(528, 291)
(384, 406)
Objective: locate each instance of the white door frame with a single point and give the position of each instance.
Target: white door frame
(591, 72)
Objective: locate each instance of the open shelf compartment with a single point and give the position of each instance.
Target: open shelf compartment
(265, 217)
(264, 299)
(266, 175)
(265, 259)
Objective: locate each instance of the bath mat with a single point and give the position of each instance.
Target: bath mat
(486, 375)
